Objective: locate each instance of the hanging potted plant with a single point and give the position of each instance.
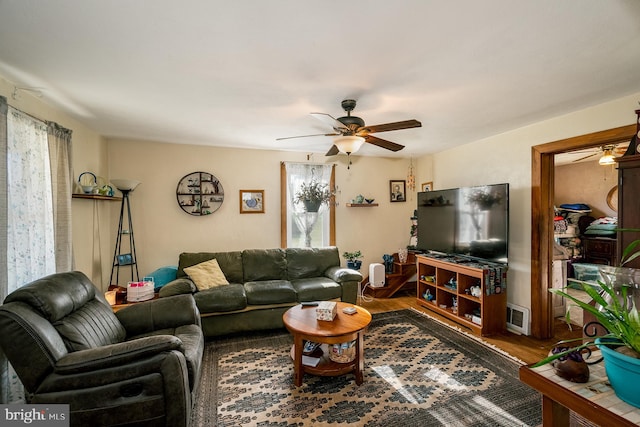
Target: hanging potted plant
(312, 195)
(617, 300)
(353, 259)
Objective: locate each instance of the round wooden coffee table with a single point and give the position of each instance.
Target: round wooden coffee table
(303, 325)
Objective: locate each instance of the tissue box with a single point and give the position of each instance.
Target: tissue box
(326, 310)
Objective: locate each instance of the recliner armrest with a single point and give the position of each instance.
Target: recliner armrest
(340, 274)
(179, 286)
(114, 355)
(163, 313)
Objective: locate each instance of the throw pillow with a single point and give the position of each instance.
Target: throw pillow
(206, 275)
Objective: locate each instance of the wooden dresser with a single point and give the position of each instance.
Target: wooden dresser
(599, 250)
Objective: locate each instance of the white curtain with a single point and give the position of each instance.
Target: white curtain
(4, 365)
(59, 143)
(30, 233)
(308, 235)
(29, 221)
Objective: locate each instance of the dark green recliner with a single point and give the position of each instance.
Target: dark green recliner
(139, 367)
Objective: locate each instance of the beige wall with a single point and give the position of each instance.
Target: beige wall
(507, 158)
(586, 182)
(163, 230)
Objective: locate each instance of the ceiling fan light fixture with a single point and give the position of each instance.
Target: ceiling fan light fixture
(607, 158)
(348, 144)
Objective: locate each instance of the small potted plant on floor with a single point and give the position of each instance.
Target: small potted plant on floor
(312, 195)
(353, 259)
(617, 299)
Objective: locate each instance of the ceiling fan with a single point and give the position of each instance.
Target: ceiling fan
(351, 132)
(607, 153)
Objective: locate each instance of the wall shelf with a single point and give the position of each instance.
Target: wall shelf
(95, 197)
(361, 205)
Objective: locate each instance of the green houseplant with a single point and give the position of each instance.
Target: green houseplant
(617, 300)
(312, 195)
(353, 259)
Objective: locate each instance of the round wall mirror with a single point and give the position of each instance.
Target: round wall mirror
(612, 199)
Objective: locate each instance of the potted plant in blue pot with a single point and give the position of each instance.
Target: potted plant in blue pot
(353, 259)
(617, 300)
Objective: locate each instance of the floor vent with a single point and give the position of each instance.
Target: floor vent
(517, 319)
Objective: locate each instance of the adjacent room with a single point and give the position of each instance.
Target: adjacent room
(364, 213)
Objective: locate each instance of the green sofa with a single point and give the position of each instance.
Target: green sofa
(263, 284)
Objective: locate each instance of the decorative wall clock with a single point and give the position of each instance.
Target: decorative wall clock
(199, 193)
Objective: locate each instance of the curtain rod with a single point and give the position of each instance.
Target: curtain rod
(46, 122)
(28, 114)
(308, 163)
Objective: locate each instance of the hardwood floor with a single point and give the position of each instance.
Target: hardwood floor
(525, 348)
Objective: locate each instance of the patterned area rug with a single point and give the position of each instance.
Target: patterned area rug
(418, 372)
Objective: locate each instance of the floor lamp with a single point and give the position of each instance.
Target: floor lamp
(126, 186)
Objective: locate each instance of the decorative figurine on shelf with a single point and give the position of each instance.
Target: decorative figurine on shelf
(388, 263)
(454, 306)
(413, 233)
(403, 255)
(476, 291)
(428, 295)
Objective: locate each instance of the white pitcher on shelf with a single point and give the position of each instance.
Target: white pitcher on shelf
(403, 255)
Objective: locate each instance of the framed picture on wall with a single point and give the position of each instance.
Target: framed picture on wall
(398, 190)
(251, 201)
(427, 186)
(125, 259)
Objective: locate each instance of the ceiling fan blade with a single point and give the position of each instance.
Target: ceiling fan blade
(586, 157)
(331, 121)
(383, 143)
(306, 136)
(620, 149)
(406, 124)
(333, 151)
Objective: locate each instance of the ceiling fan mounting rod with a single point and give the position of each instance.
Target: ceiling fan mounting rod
(348, 105)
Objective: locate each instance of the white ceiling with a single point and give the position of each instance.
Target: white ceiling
(242, 73)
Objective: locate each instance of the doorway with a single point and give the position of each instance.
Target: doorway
(542, 184)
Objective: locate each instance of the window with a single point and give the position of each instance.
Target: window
(300, 228)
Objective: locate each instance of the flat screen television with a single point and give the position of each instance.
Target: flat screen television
(468, 221)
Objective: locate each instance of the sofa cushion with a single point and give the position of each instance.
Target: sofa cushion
(178, 287)
(230, 263)
(310, 262)
(316, 289)
(264, 264)
(269, 292)
(206, 275)
(222, 298)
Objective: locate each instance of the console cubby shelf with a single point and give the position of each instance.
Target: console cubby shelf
(484, 315)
